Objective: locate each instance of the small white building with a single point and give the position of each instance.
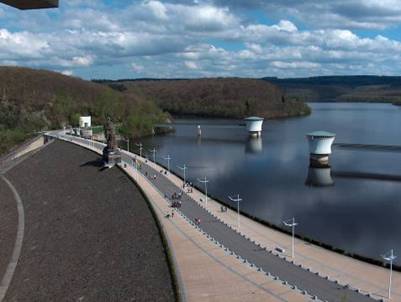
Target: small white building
(85, 122)
(320, 146)
(254, 125)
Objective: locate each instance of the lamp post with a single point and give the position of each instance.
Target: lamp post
(204, 181)
(168, 158)
(154, 154)
(390, 258)
(184, 168)
(237, 200)
(292, 224)
(140, 148)
(127, 144)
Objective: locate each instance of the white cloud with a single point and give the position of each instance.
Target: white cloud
(67, 72)
(191, 65)
(82, 60)
(351, 14)
(285, 25)
(136, 67)
(294, 65)
(21, 44)
(157, 8)
(182, 39)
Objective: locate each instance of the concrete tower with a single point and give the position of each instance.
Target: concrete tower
(320, 147)
(254, 125)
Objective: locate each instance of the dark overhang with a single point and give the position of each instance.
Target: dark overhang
(31, 4)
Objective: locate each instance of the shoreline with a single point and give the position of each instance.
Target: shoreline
(273, 226)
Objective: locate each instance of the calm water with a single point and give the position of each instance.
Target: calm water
(361, 215)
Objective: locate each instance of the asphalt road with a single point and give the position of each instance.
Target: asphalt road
(315, 285)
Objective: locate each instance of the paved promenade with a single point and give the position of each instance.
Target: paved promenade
(315, 285)
(368, 278)
(249, 251)
(206, 272)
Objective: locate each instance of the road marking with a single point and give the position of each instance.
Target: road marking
(6, 281)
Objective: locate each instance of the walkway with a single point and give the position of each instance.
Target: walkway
(252, 252)
(205, 271)
(369, 279)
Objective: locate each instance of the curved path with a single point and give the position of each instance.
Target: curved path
(89, 233)
(315, 285)
(9, 273)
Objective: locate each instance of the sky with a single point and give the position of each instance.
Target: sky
(112, 39)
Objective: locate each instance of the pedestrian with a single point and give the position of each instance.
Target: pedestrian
(172, 214)
(154, 176)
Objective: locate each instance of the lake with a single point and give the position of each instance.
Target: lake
(350, 205)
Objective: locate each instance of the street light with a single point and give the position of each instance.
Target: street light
(184, 168)
(292, 224)
(140, 149)
(390, 258)
(154, 154)
(168, 158)
(127, 144)
(204, 181)
(237, 200)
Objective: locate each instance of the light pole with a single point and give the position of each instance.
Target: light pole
(154, 154)
(168, 158)
(184, 168)
(204, 181)
(237, 200)
(390, 258)
(127, 144)
(292, 224)
(140, 148)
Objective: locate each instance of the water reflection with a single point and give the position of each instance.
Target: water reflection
(360, 213)
(319, 177)
(254, 145)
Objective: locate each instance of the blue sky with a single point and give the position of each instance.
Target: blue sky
(205, 38)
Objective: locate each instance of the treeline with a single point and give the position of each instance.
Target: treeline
(342, 88)
(215, 97)
(36, 100)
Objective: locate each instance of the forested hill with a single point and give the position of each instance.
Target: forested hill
(362, 88)
(34, 100)
(214, 97)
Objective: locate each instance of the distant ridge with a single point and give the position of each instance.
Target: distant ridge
(357, 88)
(213, 97)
